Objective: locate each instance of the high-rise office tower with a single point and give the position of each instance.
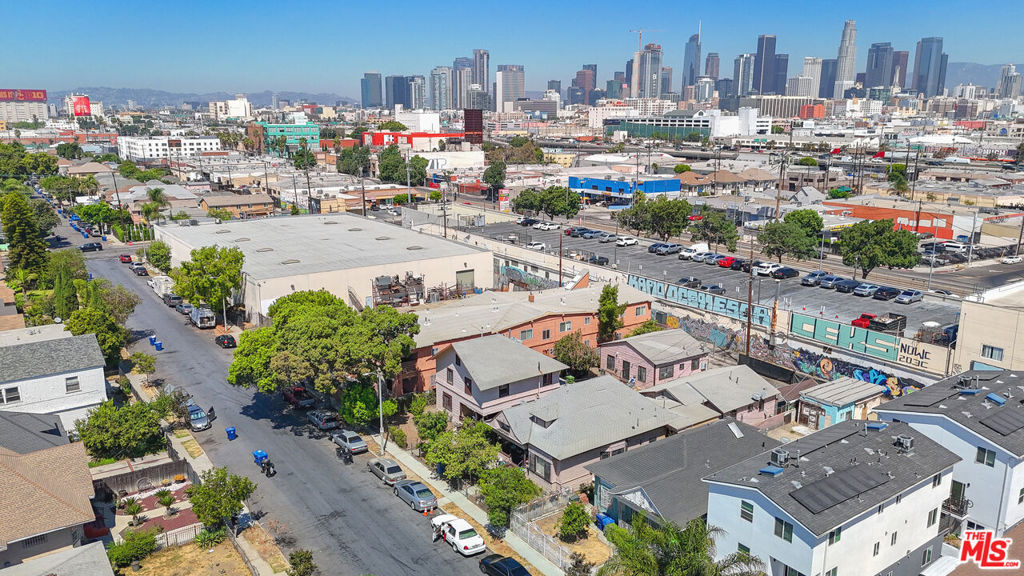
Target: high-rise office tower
(612, 89)
(711, 65)
(846, 61)
(629, 76)
(743, 75)
(370, 90)
(827, 86)
(781, 73)
(417, 92)
(585, 82)
(441, 88)
(592, 68)
(880, 62)
(396, 90)
(555, 85)
(647, 72)
(725, 87)
(1009, 82)
(691, 60)
(274, 97)
(812, 70)
(930, 67)
(462, 82)
(481, 68)
(509, 86)
(900, 60)
(704, 89)
(764, 64)
(666, 79)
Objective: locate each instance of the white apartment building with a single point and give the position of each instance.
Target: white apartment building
(858, 498)
(978, 416)
(154, 148)
(16, 111)
(240, 108)
(596, 115)
(651, 106)
(419, 120)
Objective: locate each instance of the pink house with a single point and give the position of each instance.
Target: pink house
(735, 391)
(650, 359)
(480, 377)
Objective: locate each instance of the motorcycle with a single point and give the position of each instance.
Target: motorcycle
(262, 459)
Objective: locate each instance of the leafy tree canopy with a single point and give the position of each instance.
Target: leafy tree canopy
(129, 431)
(504, 489)
(392, 126)
(464, 453)
(869, 244)
(219, 496)
(609, 313)
(110, 336)
(574, 353)
(210, 276)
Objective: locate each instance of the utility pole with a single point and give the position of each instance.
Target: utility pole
(750, 294)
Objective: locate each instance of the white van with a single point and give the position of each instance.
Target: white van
(956, 247)
(687, 253)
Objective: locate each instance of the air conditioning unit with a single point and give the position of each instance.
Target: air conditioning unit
(779, 457)
(905, 442)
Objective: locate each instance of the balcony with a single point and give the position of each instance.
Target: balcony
(956, 507)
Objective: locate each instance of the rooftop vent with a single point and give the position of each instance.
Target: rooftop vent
(770, 471)
(331, 222)
(414, 247)
(265, 249)
(223, 231)
(779, 457)
(876, 425)
(355, 229)
(383, 238)
(241, 239)
(290, 261)
(996, 398)
(905, 442)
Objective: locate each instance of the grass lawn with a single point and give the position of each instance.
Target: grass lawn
(190, 560)
(192, 447)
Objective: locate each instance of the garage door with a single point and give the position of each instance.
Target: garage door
(465, 279)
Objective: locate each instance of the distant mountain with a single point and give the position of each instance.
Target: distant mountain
(971, 73)
(148, 98)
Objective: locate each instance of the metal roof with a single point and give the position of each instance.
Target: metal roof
(663, 347)
(843, 391)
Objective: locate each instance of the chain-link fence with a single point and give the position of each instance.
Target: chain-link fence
(521, 522)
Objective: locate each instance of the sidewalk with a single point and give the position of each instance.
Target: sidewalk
(438, 485)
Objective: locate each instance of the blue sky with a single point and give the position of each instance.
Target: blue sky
(326, 46)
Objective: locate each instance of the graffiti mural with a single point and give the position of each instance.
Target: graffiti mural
(700, 300)
(828, 368)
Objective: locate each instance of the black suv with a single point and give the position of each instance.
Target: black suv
(91, 247)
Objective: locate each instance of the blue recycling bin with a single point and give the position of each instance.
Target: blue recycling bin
(159, 345)
(603, 520)
(152, 340)
(230, 430)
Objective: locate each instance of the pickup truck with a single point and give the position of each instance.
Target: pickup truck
(298, 397)
(864, 321)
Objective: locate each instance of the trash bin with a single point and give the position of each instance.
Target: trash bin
(603, 520)
(159, 345)
(230, 430)
(152, 340)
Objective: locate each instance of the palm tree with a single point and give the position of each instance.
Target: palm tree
(134, 509)
(150, 211)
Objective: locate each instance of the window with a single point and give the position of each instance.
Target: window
(450, 375)
(433, 351)
(747, 510)
(525, 335)
(666, 372)
(586, 320)
(458, 361)
(933, 515)
(540, 467)
(641, 374)
(695, 364)
(33, 541)
(469, 385)
(881, 508)
(446, 401)
(899, 498)
(874, 552)
(640, 310)
(936, 480)
(926, 557)
(548, 379)
(71, 384)
(503, 391)
(743, 550)
(893, 540)
(565, 326)
(986, 457)
(11, 395)
(783, 529)
(991, 352)
(1020, 497)
(546, 334)
(610, 363)
(833, 571)
(835, 535)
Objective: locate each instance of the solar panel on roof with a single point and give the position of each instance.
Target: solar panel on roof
(929, 395)
(838, 488)
(1005, 421)
(824, 437)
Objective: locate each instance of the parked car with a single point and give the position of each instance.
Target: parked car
(814, 278)
(713, 259)
(942, 292)
(700, 256)
(351, 440)
(863, 321)
(687, 253)
(591, 234)
(829, 281)
(126, 258)
(416, 495)
(886, 293)
(865, 290)
(785, 272)
(323, 419)
(498, 565)
(197, 419)
(847, 286)
(653, 248)
(387, 470)
(714, 289)
(183, 308)
(726, 261)
(141, 271)
(519, 220)
(536, 246)
(766, 268)
(527, 221)
(459, 534)
(1012, 260)
(666, 249)
(226, 341)
(91, 247)
(599, 260)
(575, 231)
(540, 225)
(909, 297)
(299, 397)
(626, 241)
(689, 282)
(549, 226)
(740, 264)
(172, 299)
(605, 237)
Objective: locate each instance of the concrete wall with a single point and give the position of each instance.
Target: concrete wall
(989, 325)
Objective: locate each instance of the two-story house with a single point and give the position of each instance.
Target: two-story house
(61, 376)
(480, 377)
(735, 391)
(650, 359)
(979, 416)
(858, 497)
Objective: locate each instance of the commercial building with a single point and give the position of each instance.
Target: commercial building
(79, 105)
(238, 109)
(240, 205)
(812, 70)
(880, 65)
(161, 148)
(900, 59)
(463, 78)
(510, 85)
(778, 106)
(846, 61)
(691, 62)
(618, 192)
(293, 135)
(764, 65)
(708, 123)
(23, 105)
(646, 74)
(711, 65)
(828, 79)
(930, 67)
(743, 75)
(481, 68)
(370, 90)
(781, 73)
(441, 88)
(1009, 82)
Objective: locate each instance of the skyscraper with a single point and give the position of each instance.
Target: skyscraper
(509, 86)
(463, 82)
(743, 74)
(396, 89)
(711, 65)
(417, 92)
(764, 64)
(812, 70)
(704, 89)
(930, 67)
(369, 90)
(828, 79)
(647, 72)
(441, 88)
(691, 61)
(629, 75)
(481, 68)
(585, 82)
(781, 73)
(846, 61)
(900, 59)
(592, 68)
(879, 71)
(666, 79)
(555, 85)
(1009, 82)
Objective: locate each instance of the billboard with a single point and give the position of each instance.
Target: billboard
(11, 95)
(82, 107)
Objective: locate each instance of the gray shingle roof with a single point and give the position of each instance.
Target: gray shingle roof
(972, 411)
(585, 415)
(843, 391)
(22, 432)
(669, 471)
(49, 357)
(840, 453)
(726, 388)
(664, 346)
(88, 559)
(495, 360)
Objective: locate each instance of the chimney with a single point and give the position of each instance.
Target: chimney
(531, 297)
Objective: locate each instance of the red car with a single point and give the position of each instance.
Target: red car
(126, 259)
(863, 321)
(726, 262)
(696, 217)
(298, 397)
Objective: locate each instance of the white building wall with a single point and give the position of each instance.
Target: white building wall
(49, 395)
(596, 115)
(420, 121)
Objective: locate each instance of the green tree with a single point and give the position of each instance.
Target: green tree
(159, 255)
(135, 545)
(301, 563)
(646, 328)
(380, 339)
(838, 193)
(464, 453)
(574, 522)
(435, 196)
(430, 425)
(1018, 157)
(250, 367)
(559, 201)
(808, 220)
(391, 166)
(360, 405)
(129, 431)
(69, 150)
(303, 158)
(668, 218)
(392, 126)
(220, 214)
(26, 248)
(65, 299)
(609, 313)
(869, 244)
(494, 176)
(638, 216)
(354, 160)
(110, 336)
(46, 218)
(574, 353)
(418, 170)
(210, 276)
(503, 490)
(899, 185)
(714, 228)
(115, 300)
(680, 168)
(143, 363)
(778, 130)
(895, 171)
(807, 161)
(578, 565)
(219, 496)
(528, 200)
(781, 238)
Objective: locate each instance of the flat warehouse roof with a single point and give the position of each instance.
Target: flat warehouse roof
(295, 245)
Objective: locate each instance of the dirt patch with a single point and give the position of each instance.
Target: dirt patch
(592, 547)
(190, 560)
(265, 547)
(192, 447)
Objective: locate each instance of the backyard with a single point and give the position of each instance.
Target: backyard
(190, 560)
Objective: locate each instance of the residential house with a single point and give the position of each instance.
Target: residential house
(59, 376)
(480, 377)
(663, 480)
(977, 415)
(240, 205)
(837, 400)
(578, 424)
(87, 169)
(89, 559)
(22, 432)
(735, 391)
(858, 497)
(650, 359)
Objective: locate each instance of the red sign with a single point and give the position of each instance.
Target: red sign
(7, 95)
(82, 107)
(986, 550)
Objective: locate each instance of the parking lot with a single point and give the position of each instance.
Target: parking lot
(792, 295)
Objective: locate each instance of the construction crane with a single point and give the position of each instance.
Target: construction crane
(640, 37)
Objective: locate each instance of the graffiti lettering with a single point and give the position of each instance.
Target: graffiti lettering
(911, 355)
(862, 340)
(700, 300)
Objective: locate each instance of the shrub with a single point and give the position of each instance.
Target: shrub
(504, 489)
(398, 435)
(207, 539)
(125, 385)
(418, 404)
(301, 562)
(133, 510)
(579, 565)
(136, 546)
(574, 522)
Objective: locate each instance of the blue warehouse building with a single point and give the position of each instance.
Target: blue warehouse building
(619, 193)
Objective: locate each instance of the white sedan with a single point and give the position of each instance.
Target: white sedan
(626, 241)
(536, 246)
(1012, 259)
(458, 533)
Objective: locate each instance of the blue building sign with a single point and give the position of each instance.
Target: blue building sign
(699, 300)
(621, 191)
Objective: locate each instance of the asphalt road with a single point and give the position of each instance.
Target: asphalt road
(353, 524)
